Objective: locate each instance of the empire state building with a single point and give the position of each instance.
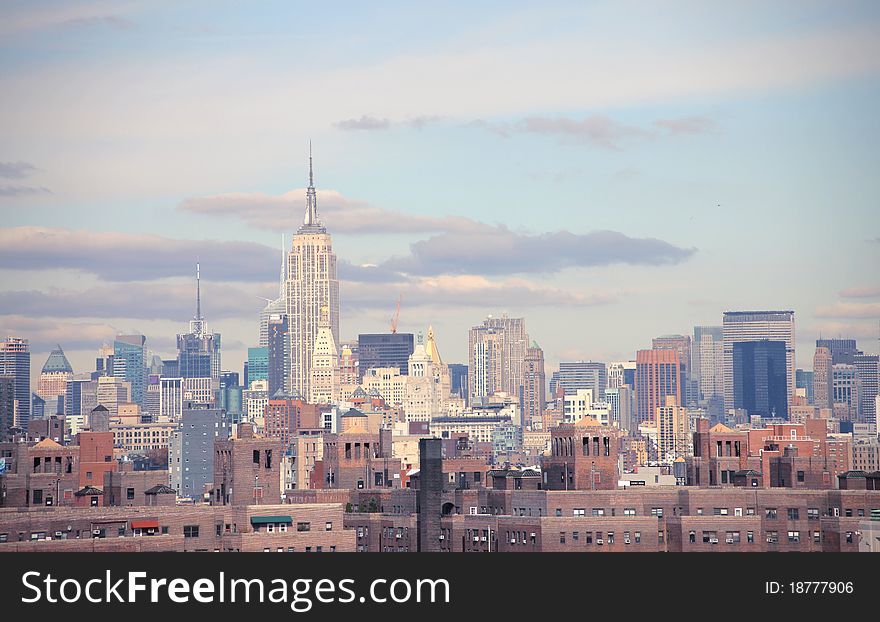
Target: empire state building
(310, 287)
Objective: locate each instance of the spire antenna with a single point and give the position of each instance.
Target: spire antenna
(310, 222)
(198, 291)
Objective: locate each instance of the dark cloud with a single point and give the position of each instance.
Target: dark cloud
(116, 256)
(16, 170)
(366, 122)
(339, 213)
(146, 301)
(497, 250)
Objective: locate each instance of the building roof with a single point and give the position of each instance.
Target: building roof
(281, 394)
(160, 489)
(46, 443)
(100, 408)
(720, 427)
(587, 422)
(358, 392)
(431, 347)
(854, 474)
(353, 412)
(89, 491)
(57, 362)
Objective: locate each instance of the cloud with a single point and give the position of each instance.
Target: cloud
(22, 191)
(687, 125)
(364, 123)
(44, 335)
(467, 291)
(498, 250)
(16, 170)
(869, 291)
(339, 213)
(145, 301)
(116, 256)
(597, 130)
(851, 310)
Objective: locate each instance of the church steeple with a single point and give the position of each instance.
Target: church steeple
(311, 222)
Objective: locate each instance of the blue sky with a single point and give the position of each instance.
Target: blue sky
(470, 151)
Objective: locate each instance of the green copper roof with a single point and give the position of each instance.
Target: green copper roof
(57, 362)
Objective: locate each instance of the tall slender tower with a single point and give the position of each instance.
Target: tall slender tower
(198, 351)
(311, 286)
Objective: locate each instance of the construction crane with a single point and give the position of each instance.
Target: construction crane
(396, 316)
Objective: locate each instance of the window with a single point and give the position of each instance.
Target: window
(328, 526)
(38, 497)
(190, 531)
(812, 513)
(816, 537)
(800, 476)
(750, 537)
(750, 511)
(282, 527)
(164, 531)
(598, 512)
(710, 537)
(558, 511)
(732, 537)
(720, 511)
(793, 514)
(794, 536)
(256, 456)
(610, 537)
(580, 512)
(849, 537)
(629, 511)
(658, 512)
(270, 527)
(303, 526)
(771, 513)
(129, 493)
(637, 536)
(561, 537)
(772, 537)
(692, 537)
(575, 536)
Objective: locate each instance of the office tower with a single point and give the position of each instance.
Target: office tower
(112, 391)
(534, 387)
(845, 391)
(103, 362)
(757, 326)
(803, 379)
(54, 376)
(497, 352)
(842, 351)
(628, 415)
(384, 350)
(658, 375)
(760, 383)
(277, 352)
(324, 381)
(170, 368)
(7, 404)
(458, 380)
(191, 450)
(619, 374)
(822, 362)
(229, 379)
(201, 391)
(258, 364)
(277, 307)
(128, 364)
(868, 377)
(707, 359)
(574, 375)
(38, 407)
(198, 351)
(80, 398)
(152, 398)
(15, 361)
(673, 431)
(311, 285)
(427, 381)
(682, 344)
(170, 398)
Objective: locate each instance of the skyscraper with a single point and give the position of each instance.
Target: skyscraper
(707, 360)
(15, 361)
(277, 352)
(682, 344)
(198, 351)
(673, 431)
(534, 386)
(845, 389)
(257, 364)
(128, 363)
(54, 376)
(311, 285)
(574, 375)
(757, 326)
(868, 375)
(384, 350)
(843, 351)
(324, 381)
(822, 362)
(658, 375)
(760, 384)
(619, 374)
(497, 352)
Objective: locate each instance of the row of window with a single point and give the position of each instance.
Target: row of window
(634, 537)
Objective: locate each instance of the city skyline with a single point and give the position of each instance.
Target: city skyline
(629, 212)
